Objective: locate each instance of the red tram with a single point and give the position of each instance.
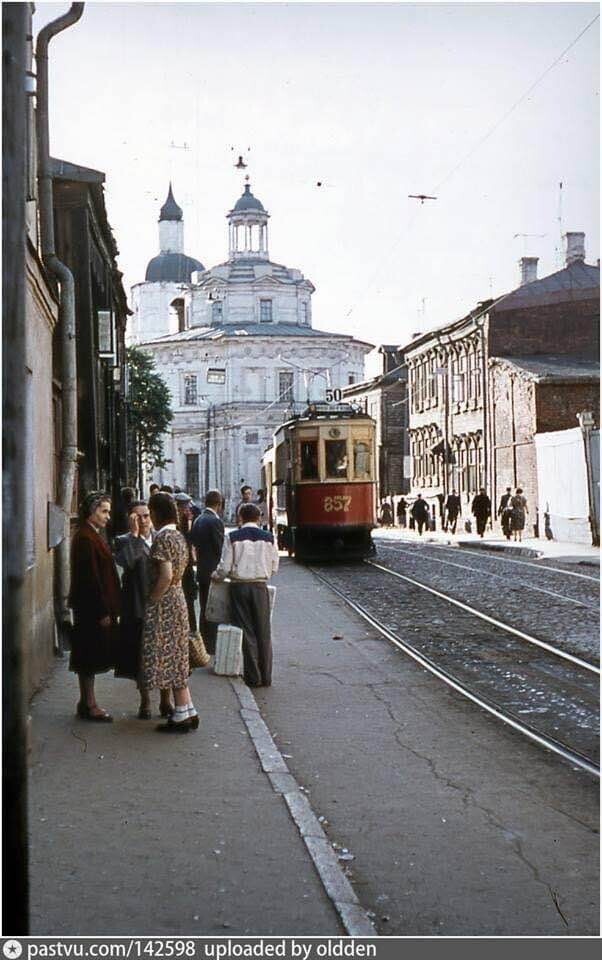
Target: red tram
(319, 477)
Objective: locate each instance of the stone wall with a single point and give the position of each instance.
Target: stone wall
(565, 329)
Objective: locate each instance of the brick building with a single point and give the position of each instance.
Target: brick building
(385, 399)
(451, 440)
(530, 396)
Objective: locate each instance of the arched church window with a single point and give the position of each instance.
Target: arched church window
(265, 311)
(217, 311)
(177, 306)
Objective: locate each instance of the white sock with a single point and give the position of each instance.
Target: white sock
(180, 714)
(191, 710)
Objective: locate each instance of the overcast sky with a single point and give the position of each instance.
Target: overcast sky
(375, 101)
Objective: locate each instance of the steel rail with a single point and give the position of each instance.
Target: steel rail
(501, 576)
(549, 743)
(562, 654)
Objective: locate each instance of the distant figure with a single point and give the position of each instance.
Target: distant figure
(453, 508)
(207, 537)
(249, 558)
(402, 512)
(481, 508)
(504, 512)
(154, 488)
(519, 511)
(166, 489)
(386, 515)
(420, 513)
(261, 503)
(246, 496)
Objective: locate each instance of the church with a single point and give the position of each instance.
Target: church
(236, 347)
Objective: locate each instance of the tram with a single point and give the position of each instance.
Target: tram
(319, 477)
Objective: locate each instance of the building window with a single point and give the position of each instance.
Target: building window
(216, 375)
(285, 385)
(190, 390)
(217, 311)
(192, 474)
(305, 312)
(105, 333)
(251, 437)
(458, 388)
(309, 460)
(351, 378)
(265, 311)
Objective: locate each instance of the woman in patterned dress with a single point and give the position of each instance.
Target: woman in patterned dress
(165, 638)
(518, 504)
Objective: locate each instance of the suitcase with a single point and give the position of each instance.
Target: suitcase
(228, 651)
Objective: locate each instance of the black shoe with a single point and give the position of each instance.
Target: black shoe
(83, 712)
(193, 722)
(144, 713)
(172, 727)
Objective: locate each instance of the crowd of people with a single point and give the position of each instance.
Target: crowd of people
(512, 512)
(139, 623)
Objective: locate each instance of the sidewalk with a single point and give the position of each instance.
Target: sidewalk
(530, 548)
(132, 832)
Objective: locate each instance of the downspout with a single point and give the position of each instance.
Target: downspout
(64, 276)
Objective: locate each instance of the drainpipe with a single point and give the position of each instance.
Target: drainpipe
(67, 299)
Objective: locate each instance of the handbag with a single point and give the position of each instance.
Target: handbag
(217, 609)
(197, 654)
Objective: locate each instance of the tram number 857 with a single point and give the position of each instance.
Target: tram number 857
(336, 504)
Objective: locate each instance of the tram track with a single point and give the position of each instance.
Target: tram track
(563, 614)
(485, 662)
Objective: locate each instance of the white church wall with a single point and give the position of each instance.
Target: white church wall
(152, 317)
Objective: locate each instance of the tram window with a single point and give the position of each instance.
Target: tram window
(336, 458)
(361, 460)
(309, 460)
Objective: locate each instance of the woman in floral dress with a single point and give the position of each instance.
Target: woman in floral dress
(518, 504)
(165, 639)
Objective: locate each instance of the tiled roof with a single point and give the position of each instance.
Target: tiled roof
(578, 281)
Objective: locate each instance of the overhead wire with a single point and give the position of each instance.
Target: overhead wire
(470, 153)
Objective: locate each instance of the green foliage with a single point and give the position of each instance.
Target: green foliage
(149, 408)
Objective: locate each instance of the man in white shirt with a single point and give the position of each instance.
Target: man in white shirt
(250, 558)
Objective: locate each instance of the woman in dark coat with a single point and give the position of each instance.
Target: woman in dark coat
(94, 600)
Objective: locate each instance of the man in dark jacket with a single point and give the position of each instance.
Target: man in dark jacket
(505, 512)
(453, 508)
(420, 513)
(481, 508)
(207, 537)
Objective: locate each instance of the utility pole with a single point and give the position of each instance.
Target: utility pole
(586, 422)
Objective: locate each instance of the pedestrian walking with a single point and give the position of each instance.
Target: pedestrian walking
(518, 516)
(132, 553)
(165, 661)
(420, 513)
(189, 585)
(246, 496)
(504, 512)
(207, 538)
(481, 509)
(386, 515)
(250, 557)
(95, 601)
(118, 524)
(402, 512)
(453, 509)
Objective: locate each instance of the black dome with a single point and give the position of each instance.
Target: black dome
(248, 201)
(176, 267)
(170, 209)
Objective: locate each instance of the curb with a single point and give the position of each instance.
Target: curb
(354, 918)
(502, 548)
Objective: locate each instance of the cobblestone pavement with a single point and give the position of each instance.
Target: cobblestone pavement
(552, 605)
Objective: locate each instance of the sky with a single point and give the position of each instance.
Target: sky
(375, 102)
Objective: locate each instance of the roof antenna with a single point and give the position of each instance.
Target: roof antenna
(559, 256)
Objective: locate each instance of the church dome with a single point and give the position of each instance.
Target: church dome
(176, 267)
(170, 209)
(248, 202)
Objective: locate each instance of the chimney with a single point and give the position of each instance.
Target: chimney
(528, 269)
(575, 248)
